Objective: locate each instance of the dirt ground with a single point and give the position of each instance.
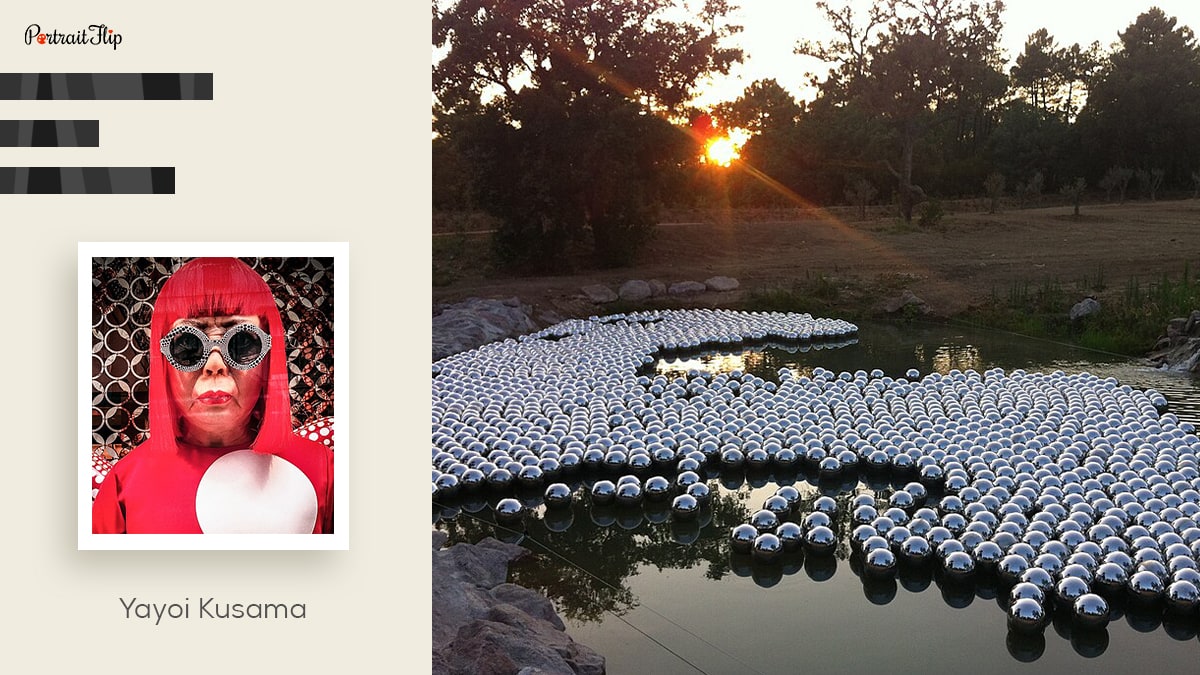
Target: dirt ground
(967, 259)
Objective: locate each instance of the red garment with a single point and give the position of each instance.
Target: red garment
(165, 486)
(152, 490)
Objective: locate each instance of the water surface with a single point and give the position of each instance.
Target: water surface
(657, 596)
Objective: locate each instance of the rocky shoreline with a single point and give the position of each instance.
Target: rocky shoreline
(1179, 349)
(483, 625)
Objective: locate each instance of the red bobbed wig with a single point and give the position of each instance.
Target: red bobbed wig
(219, 287)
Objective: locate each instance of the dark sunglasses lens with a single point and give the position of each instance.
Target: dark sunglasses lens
(187, 349)
(244, 347)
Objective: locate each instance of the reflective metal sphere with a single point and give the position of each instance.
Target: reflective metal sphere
(472, 480)
(1039, 577)
(790, 493)
(1110, 578)
(1145, 587)
(1026, 616)
(863, 515)
(686, 479)
(558, 495)
(701, 492)
(1091, 611)
(1025, 589)
(1182, 597)
(685, 507)
(879, 562)
(825, 504)
(767, 548)
(988, 555)
(820, 540)
(509, 510)
(447, 486)
(530, 476)
(629, 494)
(1069, 589)
(742, 537)
(764, 521)
(657, 488)
(603, 492)
(778, 505)
(791, 534)
(916, 550)
(732, 458)
(816, 518)
(959, 565)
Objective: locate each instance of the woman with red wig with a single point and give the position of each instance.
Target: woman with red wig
(221, 456)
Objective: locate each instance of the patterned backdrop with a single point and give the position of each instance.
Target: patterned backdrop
(123, 294)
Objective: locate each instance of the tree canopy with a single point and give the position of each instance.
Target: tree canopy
(1144, 108)
(566, 118)
(637, 49)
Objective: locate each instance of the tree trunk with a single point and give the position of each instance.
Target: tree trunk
(906, 189)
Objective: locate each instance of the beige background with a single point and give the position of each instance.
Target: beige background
(317, 132)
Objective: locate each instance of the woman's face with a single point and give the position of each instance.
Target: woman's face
(216, 402)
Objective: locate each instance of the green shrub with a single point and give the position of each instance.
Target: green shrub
(931, 213)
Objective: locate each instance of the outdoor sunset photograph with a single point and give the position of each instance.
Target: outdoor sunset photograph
(826, 336)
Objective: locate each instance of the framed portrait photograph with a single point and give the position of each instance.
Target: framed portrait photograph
(210, 381)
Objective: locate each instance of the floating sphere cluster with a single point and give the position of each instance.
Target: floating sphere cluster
(1073, 490)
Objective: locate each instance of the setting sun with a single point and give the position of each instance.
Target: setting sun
(724, 149)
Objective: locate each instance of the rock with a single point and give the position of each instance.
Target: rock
(1179, 349)
(1183, 357)
(657, 288)
(1085, 307)
(721, 284)
(482, 565)
(531, 602)
(1192, 327)
(509, 640)
(549, 317)
(686, 288)
(1176, 329)
(478, 321)
(599, 294)
(903, 300)
(439, 539)
(634, 290)
(481, 624)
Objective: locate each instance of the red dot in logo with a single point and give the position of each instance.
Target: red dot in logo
(110, 30)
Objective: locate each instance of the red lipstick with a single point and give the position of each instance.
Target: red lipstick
(214, 397)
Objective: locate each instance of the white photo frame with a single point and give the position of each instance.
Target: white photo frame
(339, 539)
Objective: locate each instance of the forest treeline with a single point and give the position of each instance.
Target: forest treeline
(568, 121)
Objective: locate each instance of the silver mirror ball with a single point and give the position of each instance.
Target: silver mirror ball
(1040, 474)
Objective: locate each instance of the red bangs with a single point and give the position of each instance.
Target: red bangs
(219, 287)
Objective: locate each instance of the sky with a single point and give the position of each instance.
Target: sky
(772, 28)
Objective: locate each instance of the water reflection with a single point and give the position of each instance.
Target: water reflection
(605, 546)
(957, 357)
(935, 348)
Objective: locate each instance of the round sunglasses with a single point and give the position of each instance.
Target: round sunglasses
(243, 347)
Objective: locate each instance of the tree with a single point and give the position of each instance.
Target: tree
(1038, 68)
(1115, 177)
(1144, 108)
(555, 108)
(1074, 191)
(636, 49)
(860, 192)
(1054, 78)
(764, 105)
(1150, 180)
(919, 65)
(994, 186)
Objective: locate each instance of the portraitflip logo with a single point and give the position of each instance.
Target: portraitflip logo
(95, 34)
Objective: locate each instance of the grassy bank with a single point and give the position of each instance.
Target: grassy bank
(1130, 321)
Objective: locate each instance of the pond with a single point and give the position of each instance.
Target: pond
(653, 593)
